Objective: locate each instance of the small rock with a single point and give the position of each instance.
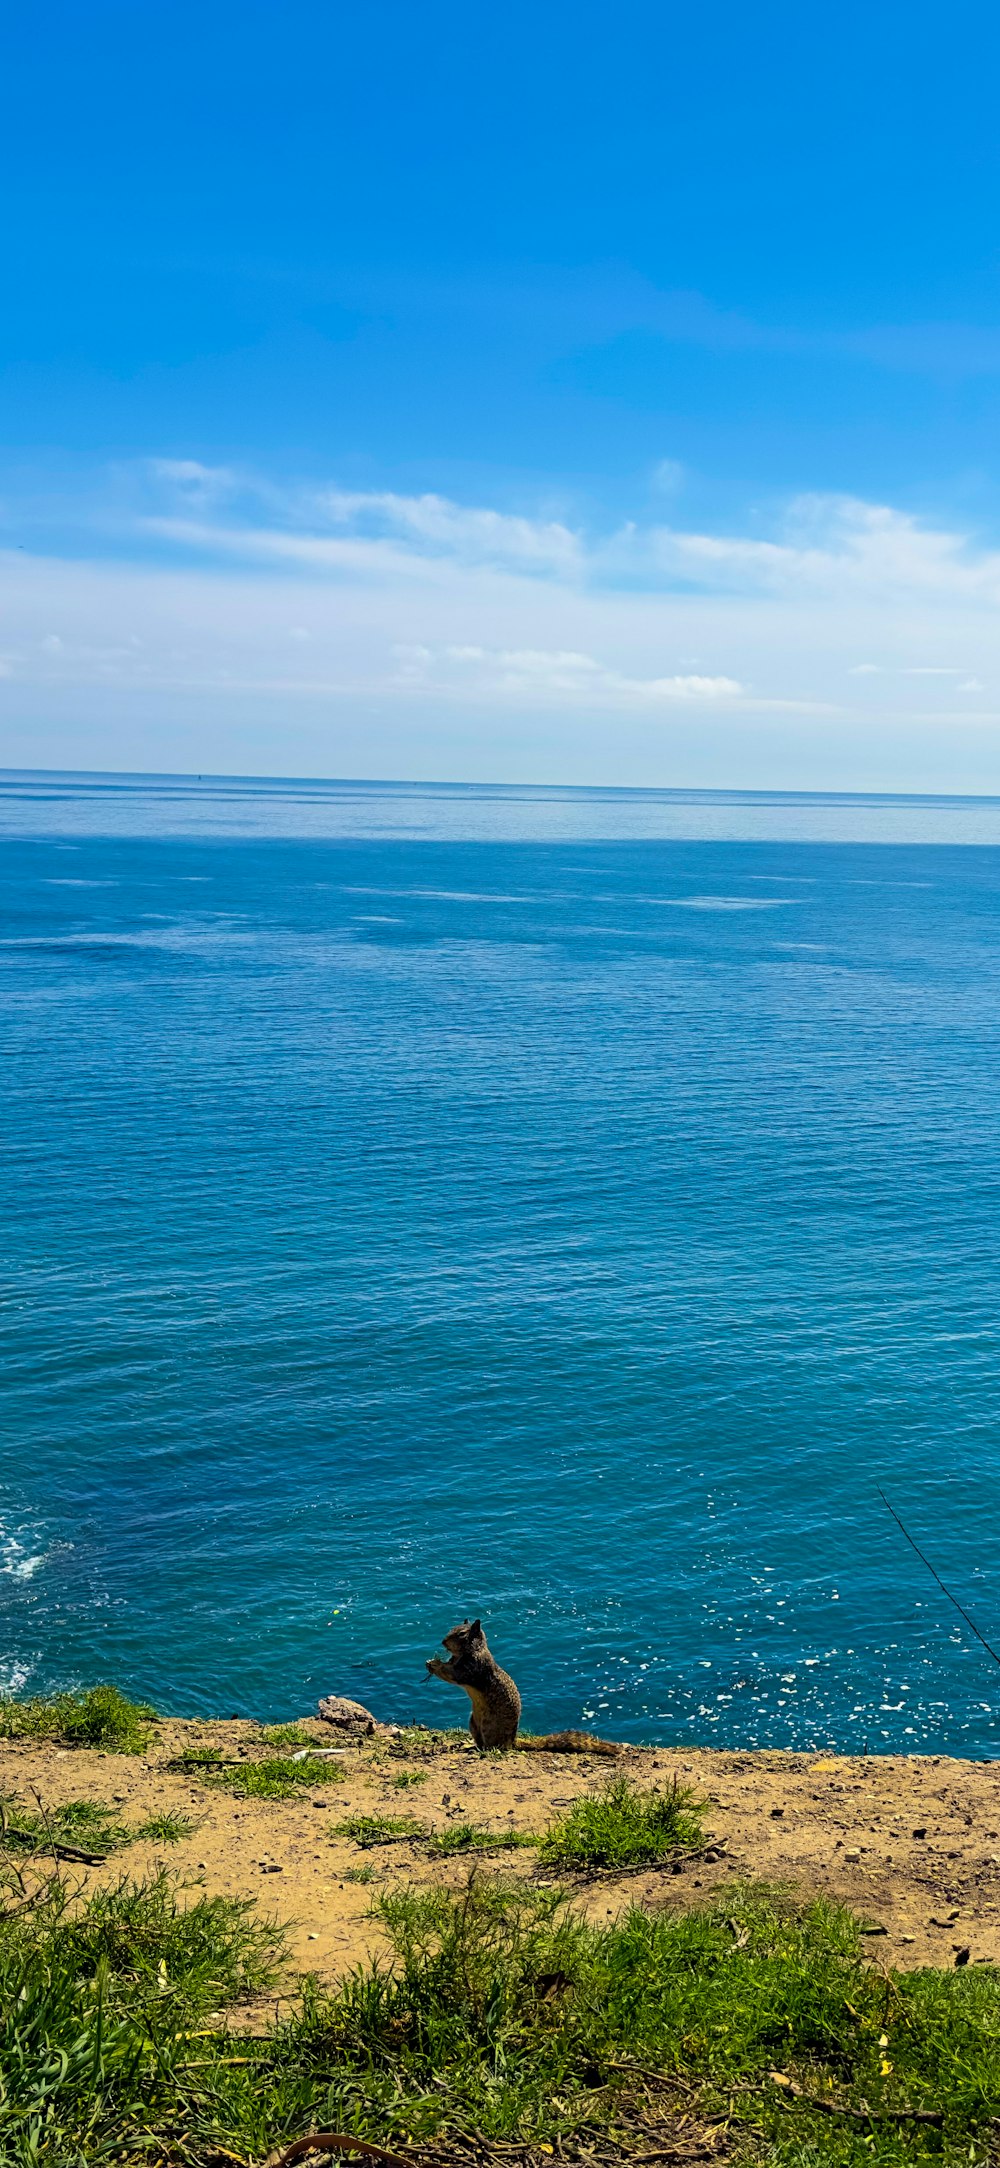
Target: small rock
(852, 1855)
(920, 1833)
(776, 1813)
(349, 1716)
(312, 1938)
(963, 1955)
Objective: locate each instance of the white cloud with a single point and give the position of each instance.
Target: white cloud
(191, 481)
(554, 672)
(470, 532)
(386, 613)
(911, 669)
(668, 476)
(833, 549)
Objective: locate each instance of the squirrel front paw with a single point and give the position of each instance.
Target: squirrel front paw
(436, 1668)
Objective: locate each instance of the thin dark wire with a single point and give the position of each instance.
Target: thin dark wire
(960, 1608)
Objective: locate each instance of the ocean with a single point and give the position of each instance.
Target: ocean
(568, 1207)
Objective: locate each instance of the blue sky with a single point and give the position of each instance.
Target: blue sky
(562, 393)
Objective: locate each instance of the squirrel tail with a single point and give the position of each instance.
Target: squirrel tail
(569, 1742)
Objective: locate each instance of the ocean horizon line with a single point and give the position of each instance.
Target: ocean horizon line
(683, 793)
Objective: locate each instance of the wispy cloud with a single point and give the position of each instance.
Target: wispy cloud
(473, 533)
(192, 481)
(247, 597)
(826, 546)
(908, 669)
(521, 673)
(823, 546)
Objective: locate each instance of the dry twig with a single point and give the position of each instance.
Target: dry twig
(333, 2141)
(933, 2116)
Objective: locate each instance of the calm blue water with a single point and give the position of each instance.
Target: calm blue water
(561, 1205)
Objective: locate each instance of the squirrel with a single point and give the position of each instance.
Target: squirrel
(496, 1703)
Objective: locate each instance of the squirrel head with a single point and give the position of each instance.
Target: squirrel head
(467, 1636)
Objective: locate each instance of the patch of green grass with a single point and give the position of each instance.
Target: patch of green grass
(407, 1778)
(100, 1717)
(503, 2013)
(275, 1776)
(286, 1735)
(470, 1837)
(369, 1829)
(165, 1828)
(360, 1874)
(621, 1826)
(199, 1757)
(423, 1738)
(278, 1777)
(80, 1823)
(212, 1951)
(102, 2003)
(498, 2017)
(83, 1825)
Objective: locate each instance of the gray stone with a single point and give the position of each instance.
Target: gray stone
(347, 1716)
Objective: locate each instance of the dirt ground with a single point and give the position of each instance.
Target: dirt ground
(911, 1843)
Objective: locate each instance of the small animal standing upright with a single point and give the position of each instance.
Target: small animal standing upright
(496, 1703)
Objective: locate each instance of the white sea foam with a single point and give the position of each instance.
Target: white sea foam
(23, 1551)
(22, 1566)
(726, 903)
(15, 1671)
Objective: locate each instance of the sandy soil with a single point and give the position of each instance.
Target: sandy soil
(912, 1844)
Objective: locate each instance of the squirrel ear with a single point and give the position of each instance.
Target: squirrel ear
(476, 1626)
